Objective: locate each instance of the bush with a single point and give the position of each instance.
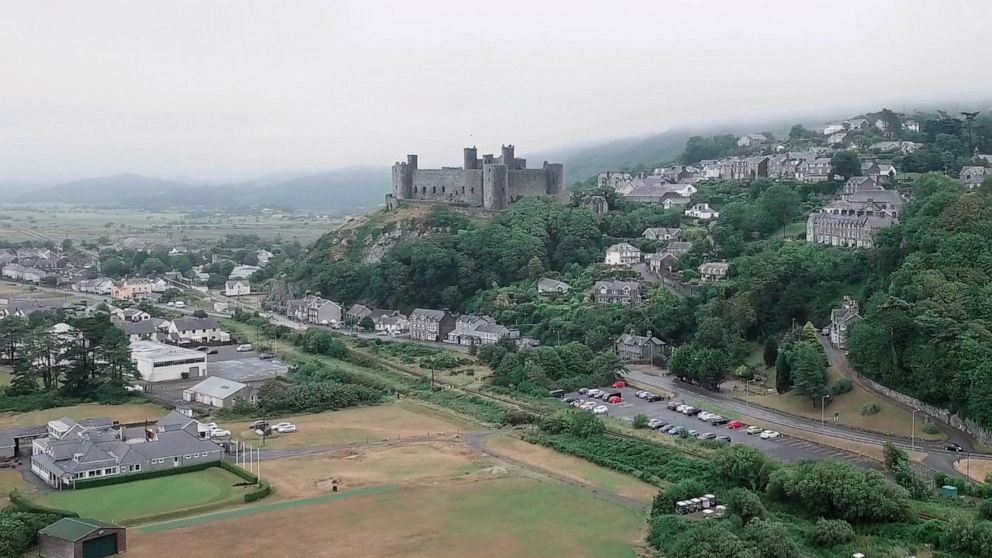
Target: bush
(664, 502)
(841, 386)
(968, 536)
(516, 417)
(930, 427)
(840, 491)
(771, 539)
(870, 409)
(985, 508)
(828, 533)
(743, 466)
(19, 530)
(744, 504)
(640, 421)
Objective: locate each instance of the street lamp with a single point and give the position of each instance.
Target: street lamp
(914, 427)
(747, 391)
(823, 420)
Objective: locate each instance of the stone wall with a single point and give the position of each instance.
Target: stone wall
(448, 185)
(980, 433)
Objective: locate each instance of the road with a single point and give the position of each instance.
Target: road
(938, 458)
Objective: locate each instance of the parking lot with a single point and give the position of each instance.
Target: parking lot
(784, 448)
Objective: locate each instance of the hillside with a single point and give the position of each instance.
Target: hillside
(103, 190)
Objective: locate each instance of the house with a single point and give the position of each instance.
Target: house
(552, 286)
(782, 166)
(243, 271)
(157, 362)
(814, 170)
(662, 233)
(612, 179)
(131, 289)
(390, 324)
(714, 271)
(832, 128)
(677, 203)
(639, 348)
(911, 125)
(72, 452)
(24, 273)
(220, 393)
(840, 139)
(356, 312)
(858, 124)
(903, 147)
(879, 171)
(478, 330)
(160, 285)
(315, 310)
(237, 287)
(678, 248)
(153, 329)
(100, 286)
(76, 537)
(622, 254)
(755, 167)
(430, 325)
(751, 140)
(263, 257)
(617, 292)
(21, 308)
(131, 314)
(855, 219)
(702, 211)
(840, 320)
(652, 190)
(662, 262)
(861, 184)
(197, 330)
(973, 176)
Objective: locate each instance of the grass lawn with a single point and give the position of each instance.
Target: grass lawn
(976, 469)
(131, 500)
(126, 413)
(401, 419)
(890, 420)
(5, 376)
(519, 517)
(573, 468)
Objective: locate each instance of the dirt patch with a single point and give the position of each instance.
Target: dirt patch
(394, 421)
(127, 413)
(524, 518)
(974, 468)
(415, 464)
(572, 468)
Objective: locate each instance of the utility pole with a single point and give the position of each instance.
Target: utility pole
(914, 427)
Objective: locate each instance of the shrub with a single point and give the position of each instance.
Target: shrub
(664, 502)
(743, 466)
(515, 417)
(828, 533)
(870, 409)
(841, 386)
(985, 508)
(930, 427)
(640, 421)
(771, 539)
(840, 491)
(19, 530)
(744, 504)
(968, 536)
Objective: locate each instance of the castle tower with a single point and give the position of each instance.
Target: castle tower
(494, 187)
(554, 174)
(471, 158)
(508, 158)
(403, 178)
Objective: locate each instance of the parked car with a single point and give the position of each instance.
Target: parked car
(693, 433)
(718, 421)
(663, 425)
(243, 348)
(259, 424)
(569, 399)
(640, 394)
(265, 356)
(593, 392)
(588, 405)
(557, 393)
(951, 446)
(583, 391)
(619, 384)
(180, 304)
(652, 397)
(676, 431)
(672, 405)
(769, 435)
(825, 331)
(655, 423)
(723, 438)
(284, 427)
(692, 411)
(219, 433)
(703, 415)
(752, 430)
(735, 424)
(202, 348)
(707, 436)
(600, 410)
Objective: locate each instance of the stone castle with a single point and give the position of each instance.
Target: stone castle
(491, 183)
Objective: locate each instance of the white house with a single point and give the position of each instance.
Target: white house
(390, 324)
(218, 392)
(263, 257)
(552, 286)
(702, 211)
(832, 128)
(159, 285)
(622, 254)
(157, 362)
(197, 330)
(714, 271)
(243, 271)
(237, 287)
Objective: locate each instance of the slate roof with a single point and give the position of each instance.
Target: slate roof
(189, 324)
(75, 528)
(426, 314)
(218, 388)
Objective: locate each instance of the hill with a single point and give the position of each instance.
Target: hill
(103, 190)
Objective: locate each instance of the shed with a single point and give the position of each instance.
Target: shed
(75, 537)
(949, 491)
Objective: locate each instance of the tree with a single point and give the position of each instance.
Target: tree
(845, 164)
(535, 268)
(808, 370)
(366, 323)
(770, 538)
(743, 466)
(640, 421)
(828, 533)
(783, 373)
(199, 313)
(151, 266)
(770, 351)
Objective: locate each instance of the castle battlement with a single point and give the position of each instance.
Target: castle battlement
(488, 182)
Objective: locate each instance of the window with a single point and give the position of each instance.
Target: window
(187, 456)
(196, 455)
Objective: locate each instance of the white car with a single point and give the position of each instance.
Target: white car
(285, 428)
(681, 408)
(704, 416)
(211, 425)
(752, 430)
(600, 410)
(769, 435)
(655, 423)
(588, 405)
(594, 392)
(219, 433)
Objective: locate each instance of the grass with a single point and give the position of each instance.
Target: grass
(403, 419)
(520, 517)
(5, 376)
(976, 469)
(572, 468)
(11, 480)
(892, 419)
(125, 413)
(143, 498)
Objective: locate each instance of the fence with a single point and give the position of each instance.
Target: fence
(981, 434)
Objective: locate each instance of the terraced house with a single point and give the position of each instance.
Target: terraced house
(72, 452)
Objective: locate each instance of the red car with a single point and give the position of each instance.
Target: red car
(620, 384)
(735, 424)
(616, 400)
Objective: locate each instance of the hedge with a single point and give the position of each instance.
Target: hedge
(118, 479)
(21, 503)
(264, 489)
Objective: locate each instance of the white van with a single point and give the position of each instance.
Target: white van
(243, 348)
(180, 304)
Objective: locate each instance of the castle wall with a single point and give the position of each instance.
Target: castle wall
(527, 183)
(448, 185)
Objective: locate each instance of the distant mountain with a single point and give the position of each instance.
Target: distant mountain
(103, 190)
(586, 161)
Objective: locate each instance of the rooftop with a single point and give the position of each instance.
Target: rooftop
(218, 387)
(75, 528)
(150, 350)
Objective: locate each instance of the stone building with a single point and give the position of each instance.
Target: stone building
(639, 348)
(617, 292)
(856, 218)
(430, 325)
(490, 182)
(840, 318)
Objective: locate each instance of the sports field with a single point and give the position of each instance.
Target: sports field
(126, 502)
(519, 517)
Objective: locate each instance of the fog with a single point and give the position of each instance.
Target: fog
(229, 89)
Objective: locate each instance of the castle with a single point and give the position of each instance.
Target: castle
(490, 182)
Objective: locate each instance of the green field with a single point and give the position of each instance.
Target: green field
(19, 222)
(123, 503)
(5, 376)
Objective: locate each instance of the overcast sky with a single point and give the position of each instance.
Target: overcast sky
(224, 89)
